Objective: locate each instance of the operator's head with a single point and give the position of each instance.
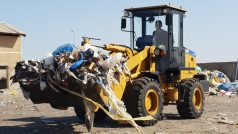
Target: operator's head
(158, 24)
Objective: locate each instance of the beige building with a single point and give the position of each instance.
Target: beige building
(10, 51)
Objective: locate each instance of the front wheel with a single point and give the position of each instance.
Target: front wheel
(144, 97)
(191, 104)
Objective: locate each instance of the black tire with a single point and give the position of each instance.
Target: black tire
(189, 107)
(135, 98)
(99, 115)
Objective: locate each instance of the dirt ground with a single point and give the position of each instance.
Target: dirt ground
(18, 116)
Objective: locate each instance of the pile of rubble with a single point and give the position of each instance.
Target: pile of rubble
(220, 84)
(83, 67)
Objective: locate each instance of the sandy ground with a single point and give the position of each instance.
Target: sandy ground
(18, 116)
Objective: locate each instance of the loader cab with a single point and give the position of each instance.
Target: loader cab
(141, 23)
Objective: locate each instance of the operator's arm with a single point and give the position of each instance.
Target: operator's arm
(155, 40)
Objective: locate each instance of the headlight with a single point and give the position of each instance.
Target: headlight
(156, 51)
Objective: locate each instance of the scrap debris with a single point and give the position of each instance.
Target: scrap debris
(222, 119)
(84, 66)
(220, 84)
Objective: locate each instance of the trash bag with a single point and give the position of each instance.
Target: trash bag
(64, 49)
(213, 83)
(225, 86)
(198, 69)
(111, 61)
(76, 65)
(221, 75)
(234, 88)
(48, 61)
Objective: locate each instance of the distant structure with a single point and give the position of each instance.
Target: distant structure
(229, 68)
(10, 51)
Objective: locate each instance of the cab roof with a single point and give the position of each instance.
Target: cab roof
(159, 7)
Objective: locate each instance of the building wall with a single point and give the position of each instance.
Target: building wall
(229, 68)
(10, 51)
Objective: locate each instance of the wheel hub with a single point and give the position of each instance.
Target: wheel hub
(151, 102)
(197, 98)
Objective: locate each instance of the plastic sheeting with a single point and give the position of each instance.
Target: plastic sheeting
(63, 49)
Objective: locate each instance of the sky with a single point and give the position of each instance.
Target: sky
(210, 27)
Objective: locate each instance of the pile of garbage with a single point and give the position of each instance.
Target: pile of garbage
(82, 67)
(220, 84)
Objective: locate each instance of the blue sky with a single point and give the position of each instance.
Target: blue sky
(210, 27)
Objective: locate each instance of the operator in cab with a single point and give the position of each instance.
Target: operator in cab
(160, 37)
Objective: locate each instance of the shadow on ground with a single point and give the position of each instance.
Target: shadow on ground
(171, 116)
(59, 125)
(39, 125)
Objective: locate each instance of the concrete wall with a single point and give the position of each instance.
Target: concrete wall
(10, 51)
(229, 68)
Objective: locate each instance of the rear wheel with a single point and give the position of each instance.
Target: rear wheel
(142, 98)
(192, 104)
(99, 115)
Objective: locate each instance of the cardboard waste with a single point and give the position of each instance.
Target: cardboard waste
(76, 71)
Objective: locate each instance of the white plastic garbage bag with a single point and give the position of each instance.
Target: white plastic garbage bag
(111, 61)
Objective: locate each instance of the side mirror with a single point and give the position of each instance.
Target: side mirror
(151, 19)
(123, 23)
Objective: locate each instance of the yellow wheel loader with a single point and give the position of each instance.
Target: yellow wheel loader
(161, 71)
(159, 79)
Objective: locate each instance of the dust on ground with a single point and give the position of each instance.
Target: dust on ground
(18, 115)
